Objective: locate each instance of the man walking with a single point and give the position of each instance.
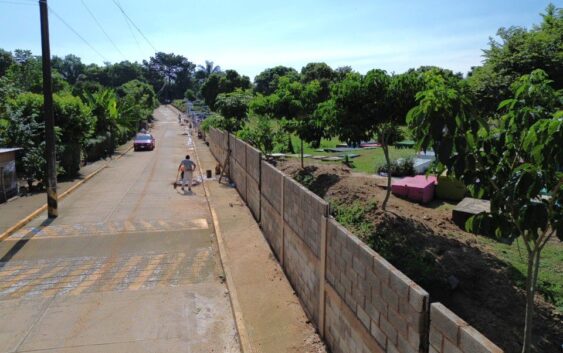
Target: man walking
(188, 166)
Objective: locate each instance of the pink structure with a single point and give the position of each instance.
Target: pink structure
(419, 188)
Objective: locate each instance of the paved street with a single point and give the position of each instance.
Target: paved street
(130, 265)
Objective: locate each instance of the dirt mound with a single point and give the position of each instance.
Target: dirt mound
(449, 263)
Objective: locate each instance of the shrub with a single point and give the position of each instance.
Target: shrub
(399, 168)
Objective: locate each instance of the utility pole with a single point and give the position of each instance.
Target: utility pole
(52, 209)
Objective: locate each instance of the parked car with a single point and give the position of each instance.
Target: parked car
(144, 142)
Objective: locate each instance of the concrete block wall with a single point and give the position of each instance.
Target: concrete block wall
(271, 180)
(302, 269)
(358, 301)
(390, 306)
(303, 212)
(253, 165)
(449, 333)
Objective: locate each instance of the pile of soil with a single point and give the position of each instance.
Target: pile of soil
(452, 265)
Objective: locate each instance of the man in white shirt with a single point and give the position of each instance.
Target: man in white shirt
(189, 167)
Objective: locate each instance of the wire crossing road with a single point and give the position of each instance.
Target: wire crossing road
(130, 265)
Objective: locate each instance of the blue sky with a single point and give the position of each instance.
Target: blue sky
(251, 35)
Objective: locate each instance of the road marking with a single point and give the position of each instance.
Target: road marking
(172, 269)
(19, 281)
(146, 272)
(92, 278)
(11, 271)
(120, 275)
(76, 276)
(37, 281)
(199, 262)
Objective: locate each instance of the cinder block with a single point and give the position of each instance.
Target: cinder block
(363, 316)
(473, 341)
(446, 322)
(389, 331)
(418, 298)
(390, 297)
(398, 322)
(392, 349)
(436, 339)
(379, 335)
(413, 337)
(399, 282)
(359, 267)
(449, 347)
(380, 304)
(404, 345)
(381, 268)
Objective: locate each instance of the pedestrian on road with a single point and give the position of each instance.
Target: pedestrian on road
(179, 118)
(189, 166)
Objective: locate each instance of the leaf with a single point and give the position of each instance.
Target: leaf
(504, 103)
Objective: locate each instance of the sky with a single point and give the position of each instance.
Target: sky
(252, 35)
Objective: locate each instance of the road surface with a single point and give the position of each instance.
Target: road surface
(130, 265)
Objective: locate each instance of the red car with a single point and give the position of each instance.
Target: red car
(144, 142)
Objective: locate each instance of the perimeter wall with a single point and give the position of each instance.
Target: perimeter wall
(356, 299)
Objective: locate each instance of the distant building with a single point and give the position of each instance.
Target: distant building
(8, 176)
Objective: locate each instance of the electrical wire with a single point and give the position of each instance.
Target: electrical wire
(102, 28)
(132, 33)
(134, 25)
(77, 34)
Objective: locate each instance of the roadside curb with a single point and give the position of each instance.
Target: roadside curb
(67, 192)
(245, 344)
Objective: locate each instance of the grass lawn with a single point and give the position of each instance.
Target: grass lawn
(368, 161)
(550, 282)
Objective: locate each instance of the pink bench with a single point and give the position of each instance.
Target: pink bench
(419, 188)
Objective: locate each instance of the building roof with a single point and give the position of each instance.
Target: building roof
(7, 150)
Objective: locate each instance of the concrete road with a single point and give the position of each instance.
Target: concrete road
(130, 265)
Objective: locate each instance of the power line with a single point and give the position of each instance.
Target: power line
(134, 25)
(77, 34)
(132, 33)
(102, 28)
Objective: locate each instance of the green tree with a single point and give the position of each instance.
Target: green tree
(361, 107)
(226, 82)
(295, 104)
(172, 74)
(26, 72)
(514, 162)
(517, 52)
(266, 82)
(70, 67)
(234, 108)
(6, 60)
(264, 133)
(137, 101)
(123, 72)
(204, 71)
(74, 124)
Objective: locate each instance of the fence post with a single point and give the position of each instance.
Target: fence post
(322, 276)
(282, 228)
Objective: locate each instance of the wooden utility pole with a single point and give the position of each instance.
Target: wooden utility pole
(52, 208)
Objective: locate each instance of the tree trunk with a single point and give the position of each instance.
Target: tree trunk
(388, 161)
(302, 164)
(531, 282)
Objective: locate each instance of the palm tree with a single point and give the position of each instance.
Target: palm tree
(204, 71)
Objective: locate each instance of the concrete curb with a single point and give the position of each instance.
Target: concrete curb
(67, 192)
(245, 344)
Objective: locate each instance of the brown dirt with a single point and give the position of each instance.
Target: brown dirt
(452, 265)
